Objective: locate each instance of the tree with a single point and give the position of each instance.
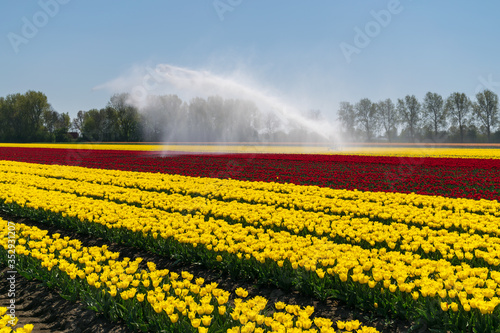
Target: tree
(347, 117)
(77, 122)
(388, 117)
(56, 125)
(409, 111)
(175, 115)
(34, 104)
(271, 124)
(21, 116)
(8, 118)
(110, 130)
(241, 120)
(17, 118)
(458, 107)
(220, 119)
(49, 120)
(127, 118)
(199, 120)
(63, 125)
(154, 121)
(366, 116)
(3, 123)
(163, 119)
(434, 113)
(246, 120)
(313, 114)
(92, 125)
(100, 125)
(486, 109)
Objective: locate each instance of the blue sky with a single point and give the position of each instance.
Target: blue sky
(293, 49)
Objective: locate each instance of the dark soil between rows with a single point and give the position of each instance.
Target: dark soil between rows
(49, 312)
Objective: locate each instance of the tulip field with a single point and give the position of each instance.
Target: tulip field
(398, 233)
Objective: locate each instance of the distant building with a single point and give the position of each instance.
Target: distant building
(73, 135)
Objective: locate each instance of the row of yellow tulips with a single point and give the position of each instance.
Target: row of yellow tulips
(397, 235)
(462, 286)
(425, 150)
(152, 298)
(287, 195)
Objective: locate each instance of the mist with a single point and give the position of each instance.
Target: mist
(155, 91)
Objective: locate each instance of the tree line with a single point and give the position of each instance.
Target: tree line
(30, 118)
(167, 118)
(456, 118)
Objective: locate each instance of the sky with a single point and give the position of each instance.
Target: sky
(310, 54)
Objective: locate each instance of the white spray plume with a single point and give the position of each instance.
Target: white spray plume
(143, 82)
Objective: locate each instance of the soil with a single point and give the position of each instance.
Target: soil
(49, 312)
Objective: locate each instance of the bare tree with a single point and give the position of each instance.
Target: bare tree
(409, 111)
(366, 116)
(434, 113)
(486, 109)
(458, 107)
(77, 123)
(388, 117)
(313, 114)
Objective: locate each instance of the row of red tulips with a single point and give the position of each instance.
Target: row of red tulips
(454, 177)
